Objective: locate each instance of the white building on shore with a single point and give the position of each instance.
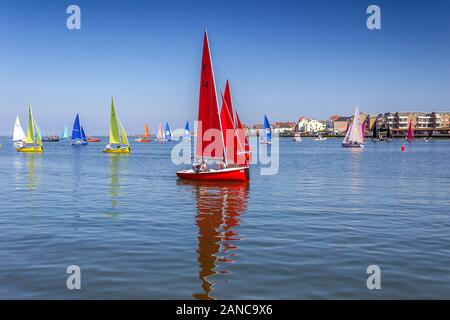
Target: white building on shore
(311, 126)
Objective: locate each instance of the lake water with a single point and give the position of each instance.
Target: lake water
(309, 231)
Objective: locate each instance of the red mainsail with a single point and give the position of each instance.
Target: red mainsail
(209, 137)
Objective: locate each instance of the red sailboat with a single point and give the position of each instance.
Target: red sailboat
(410, 136)
(217, 137)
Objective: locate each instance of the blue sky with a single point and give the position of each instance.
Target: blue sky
(284, 58)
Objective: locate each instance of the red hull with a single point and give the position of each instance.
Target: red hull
(230, 174)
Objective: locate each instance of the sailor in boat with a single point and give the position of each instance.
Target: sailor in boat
(108, 147)
(200, 167)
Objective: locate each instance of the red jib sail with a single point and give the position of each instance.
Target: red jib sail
(209, 142)
(243, 145)
(228, 127)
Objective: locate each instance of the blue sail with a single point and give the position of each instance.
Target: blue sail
(83, 135)
(187, 133)
(76, 131)
(267, 130)
(65, 134)
(168, 133)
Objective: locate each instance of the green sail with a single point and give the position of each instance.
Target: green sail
(114, 135)
(38, 135)
(124, 136)
(30, 132)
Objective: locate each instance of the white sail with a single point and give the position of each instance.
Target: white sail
(354, 133)
(160, 134)
(18, 134)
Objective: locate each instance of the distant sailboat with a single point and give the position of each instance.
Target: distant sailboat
(353, 138)
(168, 134)
(78, 136)
(267, 132)
(410, 135)
(33, 139)
(375, 134)
(210, 122)
(18, 134)
(187, 133)
(389, 132)
(297, 137)
(160, 134)
(145, 137)
(93, 139)
(118, 140)
(64, 134)
(320, 138)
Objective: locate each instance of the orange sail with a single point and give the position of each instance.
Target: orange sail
(209, 137)
(146, 134)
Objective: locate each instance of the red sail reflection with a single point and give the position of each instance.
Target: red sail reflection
(219, 207)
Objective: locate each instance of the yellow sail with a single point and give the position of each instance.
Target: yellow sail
(114, 135)
(38, 135)
(124, 135)
(30, 132)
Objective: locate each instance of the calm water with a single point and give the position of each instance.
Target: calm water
(308, 232)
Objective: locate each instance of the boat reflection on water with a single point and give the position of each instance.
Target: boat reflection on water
(33, 164)
(357, 180)
(116, 171)
(219, 208)
(27, 171)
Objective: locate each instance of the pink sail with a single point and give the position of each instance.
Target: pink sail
(363, 130)
(410, 132)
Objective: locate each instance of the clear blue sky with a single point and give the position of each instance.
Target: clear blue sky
(284, 58)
